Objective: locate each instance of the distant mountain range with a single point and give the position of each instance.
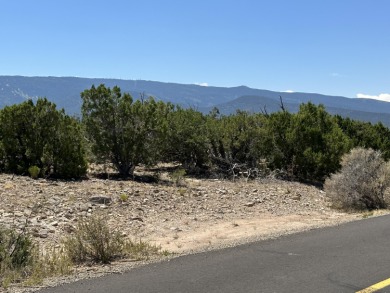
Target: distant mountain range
(65, 92)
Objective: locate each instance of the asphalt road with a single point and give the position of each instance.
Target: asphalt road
(345, 258)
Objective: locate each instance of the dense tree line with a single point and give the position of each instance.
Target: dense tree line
(115, 128)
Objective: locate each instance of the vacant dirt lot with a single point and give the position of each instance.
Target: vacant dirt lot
(196, 216)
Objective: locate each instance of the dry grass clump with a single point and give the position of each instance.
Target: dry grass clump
(49, 263)
(23, 262)
(361, 182)
(94, 241)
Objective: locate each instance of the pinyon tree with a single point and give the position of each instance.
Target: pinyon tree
(123, 131)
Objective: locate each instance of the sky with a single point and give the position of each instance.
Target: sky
(334, 47)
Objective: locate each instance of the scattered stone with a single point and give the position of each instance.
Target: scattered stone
(43, 233)
(18, 214)
(69, 215)
(297, 197)
(100, 199)
(69, 228)
(250, 204)
(136, 219)
(54, 224)
(84, 207)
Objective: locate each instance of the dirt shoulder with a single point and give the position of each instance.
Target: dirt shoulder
(199, 216)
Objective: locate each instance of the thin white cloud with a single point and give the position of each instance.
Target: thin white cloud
(288, 91)
(337, 75)
(202, 84)
(380, 97)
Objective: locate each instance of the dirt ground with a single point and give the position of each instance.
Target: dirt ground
(194, 216)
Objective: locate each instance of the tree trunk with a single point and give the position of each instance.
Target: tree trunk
(125, 170)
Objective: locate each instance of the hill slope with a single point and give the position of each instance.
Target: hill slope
(263, 104)
(65, 92)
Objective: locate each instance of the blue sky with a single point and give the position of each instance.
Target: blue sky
(336, 47)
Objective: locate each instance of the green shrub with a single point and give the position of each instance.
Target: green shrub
(34, 171)
(123, 197)
(15, 249)
(361, 182)
(16, 255)
(177, 176)
(40, 136)
(317, 143)
(186, 139)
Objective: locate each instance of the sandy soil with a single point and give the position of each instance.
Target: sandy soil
(218, 235)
